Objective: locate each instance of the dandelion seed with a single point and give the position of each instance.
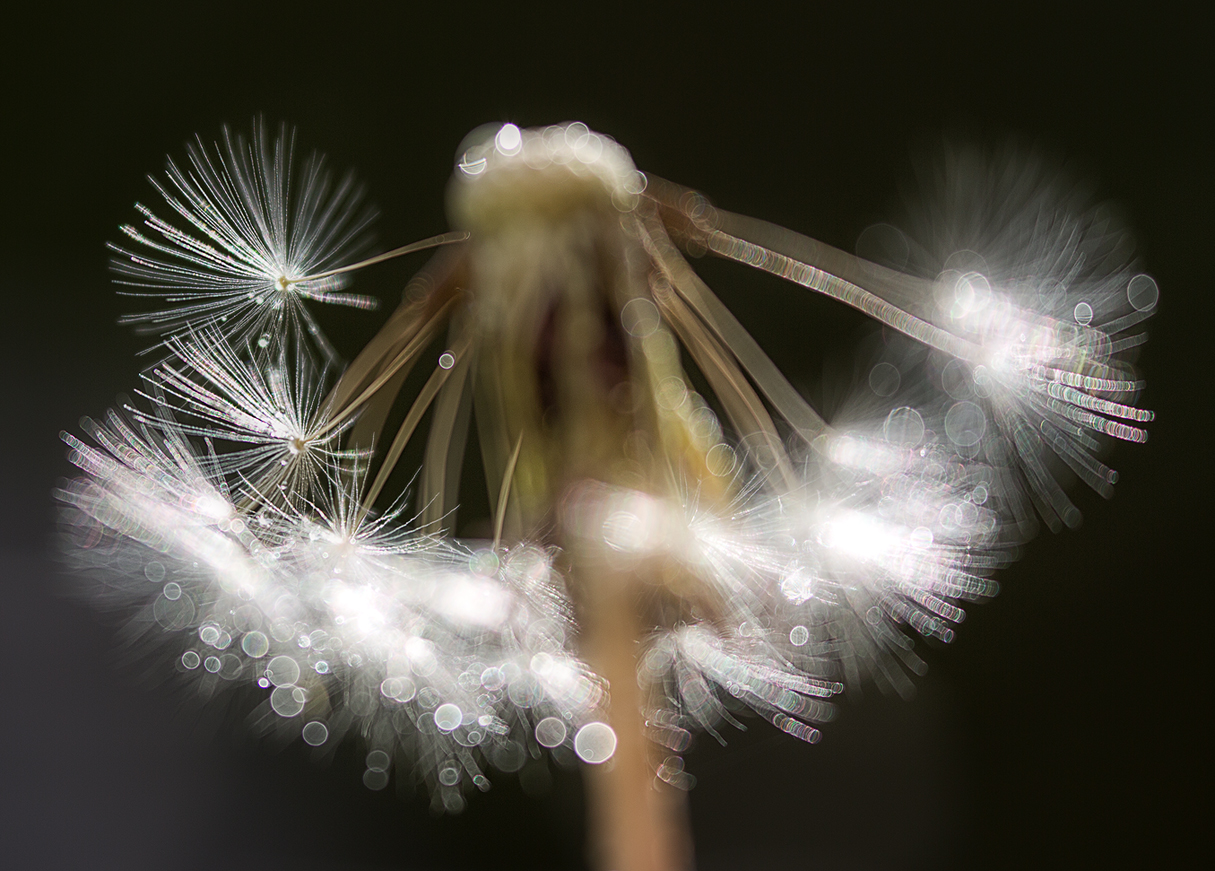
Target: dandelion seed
(252, 232)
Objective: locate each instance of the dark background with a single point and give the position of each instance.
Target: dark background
(1061, 729)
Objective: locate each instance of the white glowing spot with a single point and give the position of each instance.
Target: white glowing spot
(721, 460)
(449, 775)
(288, 701)
(509, 140)
(256, 645)
(798, 586)
(595, 743)
(550, 732)
(884, 379)
(190, 660)
(172, 591)
(640, 317)
(965, 424)
(1142, 293)
(448, 717)
(904, 427)
(798, 636)
(315, 733)
(1083, 314)
(446, 360)
(283, 671)
(401, 689)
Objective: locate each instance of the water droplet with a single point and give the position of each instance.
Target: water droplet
(904, 427)
(230, 666)
(283, 671)
(508, 756)
(315, 733)
(884, 245)
(965, 424)
(884, 379)
(1143, 293)
(255, 644)
(595, 743)
(449, 776)
(799, 635)
(721, 460)
(190, 659)
(640, 317)
(172, 591)
(1083, 313)
(376, 780)
(378, 760)
(154, 572)
(401, 689)
(446, 360)
(264, 339)
(173, 614)
(288, 701)
(955, 378)
(550, 732)
(448, 717)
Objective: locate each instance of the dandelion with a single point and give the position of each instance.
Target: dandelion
(660, 558)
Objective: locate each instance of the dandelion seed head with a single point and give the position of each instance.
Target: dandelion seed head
(234, 510)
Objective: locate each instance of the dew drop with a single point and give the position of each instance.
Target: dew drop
(595, 743)
(173, 614)
(190, 660)
(283, 671)
(255, 644)
(378, 760)
(375, 780)
(449, 776)
(287, 701)
(315, 733)
(965, 424)
(446, 360)
(904, 427)
(1083, 314)
(1143, 293)
(550, 732)
(884, 379)
(448, 717)
(799, 635)
(640, 317)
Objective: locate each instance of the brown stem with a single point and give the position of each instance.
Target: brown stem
(636, 822)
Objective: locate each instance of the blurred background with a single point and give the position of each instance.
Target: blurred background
(1059, 729)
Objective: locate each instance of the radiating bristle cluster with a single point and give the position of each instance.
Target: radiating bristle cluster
(248, 237)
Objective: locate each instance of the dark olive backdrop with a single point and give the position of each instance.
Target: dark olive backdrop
(1059, 730)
